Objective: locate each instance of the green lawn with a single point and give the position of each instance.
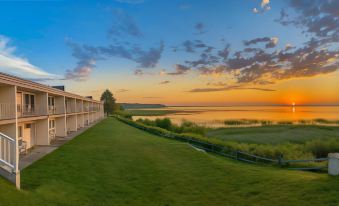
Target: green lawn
(276, 134)
(115, 164)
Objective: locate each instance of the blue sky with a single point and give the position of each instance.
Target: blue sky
(55, 37)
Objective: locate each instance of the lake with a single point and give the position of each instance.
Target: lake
(213, 116)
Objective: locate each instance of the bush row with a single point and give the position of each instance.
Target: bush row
(309, 150)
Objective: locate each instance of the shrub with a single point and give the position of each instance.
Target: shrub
(285, 122)
(321, 147)
(266, 122)
(163, 123)
(323, 121)
(311, 149)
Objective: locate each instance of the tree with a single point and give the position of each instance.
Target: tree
(109, 101)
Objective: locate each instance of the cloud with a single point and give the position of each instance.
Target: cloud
(200, 28)
(87, 56)
(86, 60)
(131, 1)
(180, 70)
(264, 6)
(272, 43)
(150, 58)
(10, 63)
(165, 82)
(265, 3)
(261, 61)
(138, 72)
(229, 88)
(122, 90)
(151, 97)
(319, 17)
(224, 52)
(216, 71)
(255, 10)
(124, 25)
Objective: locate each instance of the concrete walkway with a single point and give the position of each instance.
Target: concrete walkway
(40, 151)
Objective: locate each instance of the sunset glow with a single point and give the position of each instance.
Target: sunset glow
(233, 55)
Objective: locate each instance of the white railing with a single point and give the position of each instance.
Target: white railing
(6, 111)
(55, 110)
(29, 110)
(52, 134)
(7, 151)
(70, 108)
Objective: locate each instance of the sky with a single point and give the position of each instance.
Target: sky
(178, 52)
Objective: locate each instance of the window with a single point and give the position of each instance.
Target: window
(29, 99)
(19, 131)
(51, 101)
(28, 126)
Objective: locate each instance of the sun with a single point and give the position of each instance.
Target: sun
(293, 104)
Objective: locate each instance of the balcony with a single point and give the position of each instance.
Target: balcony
(70, 109)
(6, 111)
(79, 108)
(29, 110)
(52, 110)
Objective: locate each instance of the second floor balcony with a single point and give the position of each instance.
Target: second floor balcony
(24, 110)
(52, 110)
(70, 109)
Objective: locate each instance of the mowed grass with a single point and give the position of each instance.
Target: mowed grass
(275, 134)
(115, 164)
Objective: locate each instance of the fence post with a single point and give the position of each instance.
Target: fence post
(281, 160)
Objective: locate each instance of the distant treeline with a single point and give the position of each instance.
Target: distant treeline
(140, 106)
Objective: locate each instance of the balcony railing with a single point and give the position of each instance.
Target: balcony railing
(79, 108)
(70, 109)
(7, 111)
(29, 110)
(7, 152)
(55, 110)
(52, 134)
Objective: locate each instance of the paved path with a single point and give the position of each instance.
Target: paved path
(40, 151)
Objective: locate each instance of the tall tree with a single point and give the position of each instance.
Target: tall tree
(109, 101)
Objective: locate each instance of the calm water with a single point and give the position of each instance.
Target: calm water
(214, 115)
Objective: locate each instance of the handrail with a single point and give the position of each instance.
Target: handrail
(7, 157)
(7, 137)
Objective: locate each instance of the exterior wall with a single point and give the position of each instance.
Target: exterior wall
(79, 105)
(86, 118)
(42, 103)
(7, 102)
(60, 104)
(71, 122)
(41, 132)
(80, 120)
(60, 126)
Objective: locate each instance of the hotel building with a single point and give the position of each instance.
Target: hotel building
(34, 114)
